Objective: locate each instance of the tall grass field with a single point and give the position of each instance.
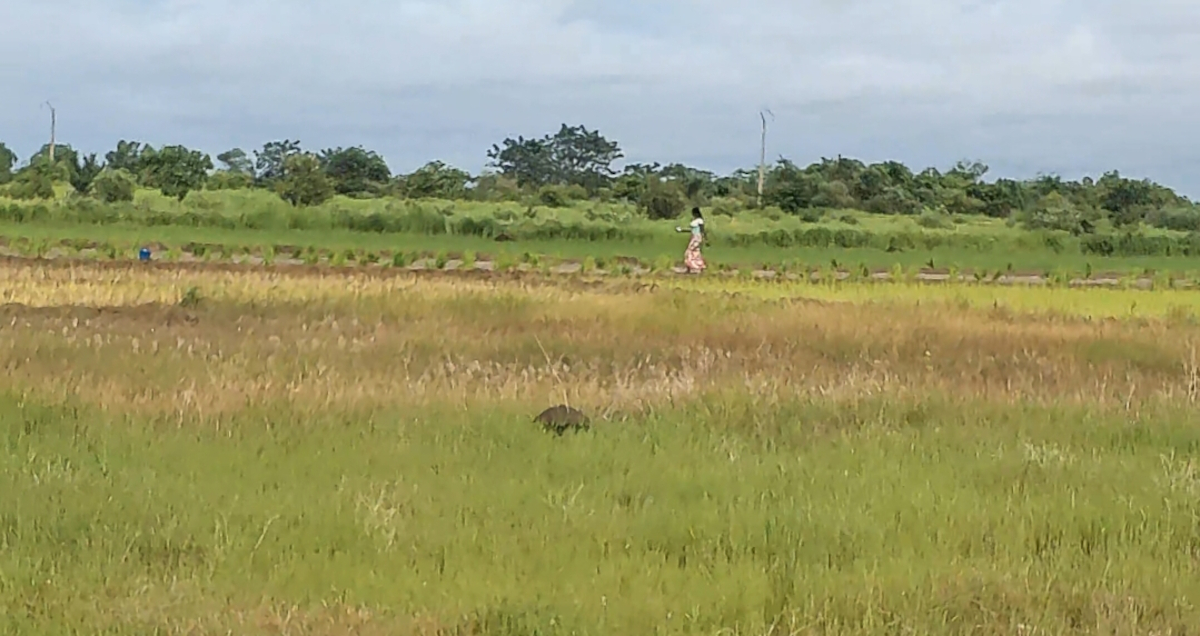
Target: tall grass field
(333, 451)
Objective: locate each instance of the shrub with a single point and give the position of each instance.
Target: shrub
(559, 196)
(935, 221)
(726, 206)
(1178, 219)
(662, 200)
(114, 186)
(228, 180)
(34, 182)
(304, 182)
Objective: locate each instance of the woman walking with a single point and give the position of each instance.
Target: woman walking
(692, 258)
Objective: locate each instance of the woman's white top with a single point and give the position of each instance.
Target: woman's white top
(697, 226)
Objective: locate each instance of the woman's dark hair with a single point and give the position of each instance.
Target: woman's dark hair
(696, 213)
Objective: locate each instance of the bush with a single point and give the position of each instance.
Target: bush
(304, 182)
(935, 221)
(662, 201)
(1179, 219)
(726, 206)
(894, 200)
(808, 215)
(24, 214)
(227, 180)
(1138, 244)
(114, 186)
(557, 196)
(34, 182)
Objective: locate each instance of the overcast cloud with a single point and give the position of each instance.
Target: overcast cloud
(1026, 86)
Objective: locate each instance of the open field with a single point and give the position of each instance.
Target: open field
(595, 230)
(242, 250)
(204, 449)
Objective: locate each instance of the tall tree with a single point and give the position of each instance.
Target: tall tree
(269, 162)
(436, 180)
(572, 156)
(65, 160)
(303, 182)
(355, 171)
(8, 159)
(1125, 199)
(85, 172)
(126, 156)
(236, 161)
(176, 170)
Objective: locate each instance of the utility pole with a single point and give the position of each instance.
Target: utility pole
(53, 126)
(762, 155)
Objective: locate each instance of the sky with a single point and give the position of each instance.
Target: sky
(1068, 87)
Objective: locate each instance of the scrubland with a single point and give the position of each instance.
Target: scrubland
(204, 450)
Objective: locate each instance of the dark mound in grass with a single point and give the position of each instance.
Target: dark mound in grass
(560, 419)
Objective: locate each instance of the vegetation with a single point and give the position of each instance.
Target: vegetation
(196, 450)
(536, 188)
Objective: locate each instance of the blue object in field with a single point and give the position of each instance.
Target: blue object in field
(144, 254)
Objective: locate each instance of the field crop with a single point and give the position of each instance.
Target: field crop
(593, 229)
(214, 450)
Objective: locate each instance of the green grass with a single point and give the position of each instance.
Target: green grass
(668, 245)
(973, 243)
(726, 516)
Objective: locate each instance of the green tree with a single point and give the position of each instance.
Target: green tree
(490, 186)
(355, 171)
(1055, 211)
(236, 161)
(176, 170)
(65, 160)
(572, 156)
(229, 180)
(834, 194)
(1002, 198)
(894, 200)
(303, 182)
(698, 185)
(126, 156)
(85, 172)
(269, 162)
(872, 182)
(8, 160)
(436, 180)
(1125, 200)
(634, 180)
(662, 199)
(114, 185)
(36, 181)
(790, 188)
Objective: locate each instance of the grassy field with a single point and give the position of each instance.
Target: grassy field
(582, 230)
(197, 451)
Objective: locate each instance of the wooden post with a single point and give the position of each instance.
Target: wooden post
(53, 126)
(762, 155)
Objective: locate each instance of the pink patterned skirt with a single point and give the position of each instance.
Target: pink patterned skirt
(692, 259)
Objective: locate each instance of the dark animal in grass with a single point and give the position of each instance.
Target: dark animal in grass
(560, 419)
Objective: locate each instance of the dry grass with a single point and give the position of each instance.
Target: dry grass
(318, 453)
(332, 340)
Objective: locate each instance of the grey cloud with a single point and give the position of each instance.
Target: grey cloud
(1035, 85)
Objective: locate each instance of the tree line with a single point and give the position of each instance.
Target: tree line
(577, 164)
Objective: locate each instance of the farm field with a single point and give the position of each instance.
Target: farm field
(748, 239)
(198, 448)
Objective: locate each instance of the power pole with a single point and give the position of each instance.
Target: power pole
(53, 126)
(762, 155)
